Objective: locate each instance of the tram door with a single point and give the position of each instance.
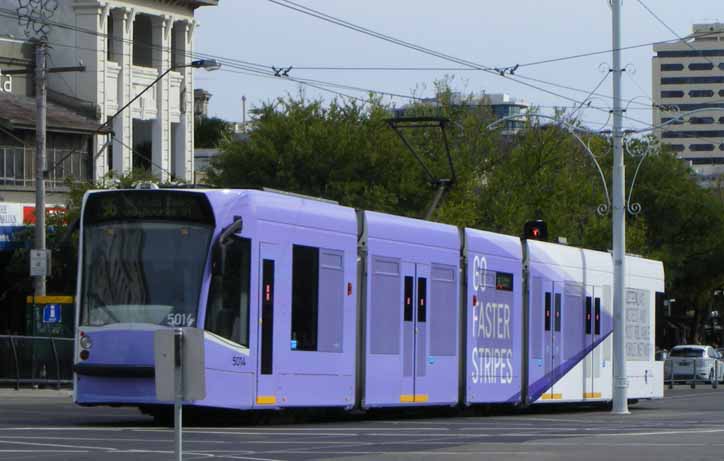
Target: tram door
(592, 385)
(268, 270)
(414, 331)
(552, 337)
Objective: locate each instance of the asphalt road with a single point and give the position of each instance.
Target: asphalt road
(687, 424)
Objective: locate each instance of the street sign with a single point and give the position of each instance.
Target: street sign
(179, 365)
(52, 313)
(191, 364)
(38, 263)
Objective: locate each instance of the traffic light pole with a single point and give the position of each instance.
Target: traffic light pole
(620, 383)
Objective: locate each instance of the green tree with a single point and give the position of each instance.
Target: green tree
(210, 132)
(345, 151)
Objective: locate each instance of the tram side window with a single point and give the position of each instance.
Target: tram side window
(227, 313)
(305, 301)
(317, 299)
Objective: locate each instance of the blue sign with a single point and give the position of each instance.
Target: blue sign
(10, 238)
(51, 313)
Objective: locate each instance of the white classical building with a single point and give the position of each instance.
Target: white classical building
(125, 45)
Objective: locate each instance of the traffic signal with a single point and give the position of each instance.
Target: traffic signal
(535, 230)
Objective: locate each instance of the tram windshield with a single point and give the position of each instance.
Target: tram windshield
(142, 265)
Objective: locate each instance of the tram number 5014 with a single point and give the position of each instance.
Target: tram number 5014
(238, 360)
(180, 320)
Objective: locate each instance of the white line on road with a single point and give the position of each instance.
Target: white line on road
(679, 432)
(98, 439)
(12, 442)
(44, 451)
(214, 455)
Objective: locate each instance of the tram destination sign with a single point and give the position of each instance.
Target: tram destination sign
(147, 205)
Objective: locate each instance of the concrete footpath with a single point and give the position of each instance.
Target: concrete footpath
(27, 392)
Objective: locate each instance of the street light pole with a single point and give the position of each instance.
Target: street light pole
(620, 383)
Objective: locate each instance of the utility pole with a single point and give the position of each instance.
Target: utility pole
(620, 383)
(41, 93)
(243, 113)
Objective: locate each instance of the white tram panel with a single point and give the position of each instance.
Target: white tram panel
(644, 278)
(598, 364)
(560, 268)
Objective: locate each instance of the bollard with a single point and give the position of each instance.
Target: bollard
(693, 374)
(17, 363)
(715, 378)
(671, 378)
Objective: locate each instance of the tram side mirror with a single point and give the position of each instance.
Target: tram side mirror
(218, 253)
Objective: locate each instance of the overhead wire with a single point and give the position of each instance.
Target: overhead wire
(263, 70)
(593, 91)
(528, 64)
(495, 71)
(681, 39)
(262, 67)
(248, 66)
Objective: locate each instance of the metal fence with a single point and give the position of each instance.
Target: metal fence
(699, 371)
(17, 166)
(36, 360)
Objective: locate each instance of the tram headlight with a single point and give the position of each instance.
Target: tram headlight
(85, 342)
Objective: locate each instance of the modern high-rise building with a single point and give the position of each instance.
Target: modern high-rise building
(688, 75)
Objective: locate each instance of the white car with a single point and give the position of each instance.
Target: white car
(693, 361)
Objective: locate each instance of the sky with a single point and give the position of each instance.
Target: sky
(489, 34)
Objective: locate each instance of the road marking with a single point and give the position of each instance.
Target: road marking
(97, 439)
(639, 434)
(44, 451)
(250, 458)
(12, 442)
(247, 432)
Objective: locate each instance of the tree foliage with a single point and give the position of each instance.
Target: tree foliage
(210, 132)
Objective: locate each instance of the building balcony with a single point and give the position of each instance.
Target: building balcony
(146, 106)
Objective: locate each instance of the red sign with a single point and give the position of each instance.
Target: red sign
(29, 213)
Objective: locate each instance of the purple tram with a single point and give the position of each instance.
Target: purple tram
(306, 303)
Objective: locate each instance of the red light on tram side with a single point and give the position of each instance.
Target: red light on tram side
(349, 289)
(475, 300)
(267, 292)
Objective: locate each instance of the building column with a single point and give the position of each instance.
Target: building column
(91, 86)
(184, 142)
(123, 123)
(161, 136)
